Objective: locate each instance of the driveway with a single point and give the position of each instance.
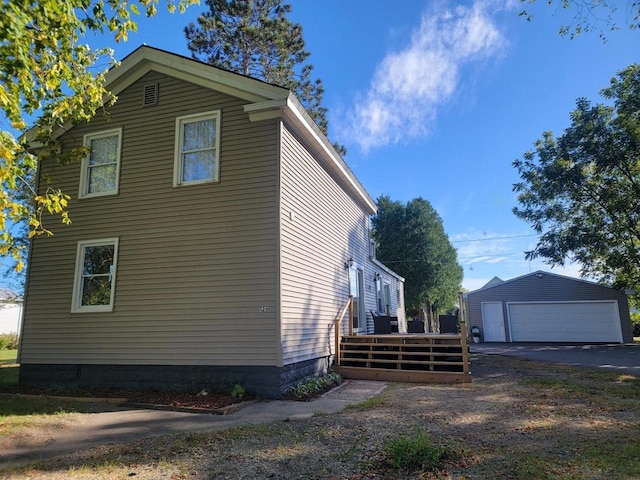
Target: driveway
(620, 358)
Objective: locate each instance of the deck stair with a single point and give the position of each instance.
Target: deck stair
(404, 358)
(430, 358)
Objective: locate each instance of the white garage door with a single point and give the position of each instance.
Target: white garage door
(565, 322)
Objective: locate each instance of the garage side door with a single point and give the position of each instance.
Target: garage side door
(565, 322)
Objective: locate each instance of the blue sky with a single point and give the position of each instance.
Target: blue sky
(435, 99)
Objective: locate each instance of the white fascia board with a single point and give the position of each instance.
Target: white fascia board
(306, 127)
(265, 110)
(190, 70)
(291, 109)
(145, 59)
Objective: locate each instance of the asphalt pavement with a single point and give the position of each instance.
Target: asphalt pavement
(622, 358)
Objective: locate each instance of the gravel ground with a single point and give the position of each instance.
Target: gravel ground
(518, 419)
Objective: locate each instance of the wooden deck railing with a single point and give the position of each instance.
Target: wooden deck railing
(336, 325)
(405, 357)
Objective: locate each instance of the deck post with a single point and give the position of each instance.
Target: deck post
(336, 326)
(351, 315)
(337, 332)
(463, 335)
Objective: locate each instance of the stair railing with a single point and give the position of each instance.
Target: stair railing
(347, 306)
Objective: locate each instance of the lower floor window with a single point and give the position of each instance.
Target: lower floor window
(94, 282)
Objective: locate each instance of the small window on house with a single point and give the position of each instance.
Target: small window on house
(101, 166)
(197, 148)
(95, 275)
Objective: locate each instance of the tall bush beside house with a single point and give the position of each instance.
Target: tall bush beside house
(635, 323)
(8, 341)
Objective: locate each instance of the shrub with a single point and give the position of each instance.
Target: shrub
(635, 323)
(237, 392)
(414, 452)
(313, 386)
(8, 341)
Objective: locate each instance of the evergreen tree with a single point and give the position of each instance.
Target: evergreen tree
(255, 38)
(411, 240)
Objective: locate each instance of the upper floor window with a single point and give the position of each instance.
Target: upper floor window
(101, 167)
(94, 282)
(197, 148)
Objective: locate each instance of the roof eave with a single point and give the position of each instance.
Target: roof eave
(291, 111)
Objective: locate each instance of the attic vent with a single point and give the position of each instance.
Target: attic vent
(150, 95)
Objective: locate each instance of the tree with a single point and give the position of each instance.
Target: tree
(581, 191)
(411, 239)
(46, 72)
(255, 38)
(591, 15)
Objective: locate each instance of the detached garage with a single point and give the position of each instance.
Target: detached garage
(545, 307)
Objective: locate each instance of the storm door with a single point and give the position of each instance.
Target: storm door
(356, 287)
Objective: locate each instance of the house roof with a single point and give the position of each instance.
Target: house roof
(493, 281)
(536, 274)
(264, 101)
(9, 296)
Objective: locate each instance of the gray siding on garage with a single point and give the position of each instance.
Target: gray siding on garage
(196, 280)
(547, 288)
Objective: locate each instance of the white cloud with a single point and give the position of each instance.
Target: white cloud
(410, 85)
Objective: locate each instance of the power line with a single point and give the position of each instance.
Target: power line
(493, 238)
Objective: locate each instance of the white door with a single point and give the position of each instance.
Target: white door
(356, 286)
(493, 322)
(597, 321)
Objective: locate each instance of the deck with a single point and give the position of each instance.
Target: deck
(432, 358)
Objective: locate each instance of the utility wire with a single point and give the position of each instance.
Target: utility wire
(493, 238)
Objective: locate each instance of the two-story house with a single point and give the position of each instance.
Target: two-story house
(216, 234)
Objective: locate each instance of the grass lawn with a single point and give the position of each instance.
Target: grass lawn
(518, 419)
(8, 356)
(8, 370)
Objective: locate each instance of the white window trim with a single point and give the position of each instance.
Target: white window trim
(76, 303)
(84, 172)
(177, 165)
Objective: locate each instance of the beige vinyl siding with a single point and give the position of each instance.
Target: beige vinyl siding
(197, 264)
(321, 227)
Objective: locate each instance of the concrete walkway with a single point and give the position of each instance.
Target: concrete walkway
(96, 429)
(622, 358)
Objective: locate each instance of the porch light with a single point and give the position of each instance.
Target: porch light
(376, 277)
(348, 264)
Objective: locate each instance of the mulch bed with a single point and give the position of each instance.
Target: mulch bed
(209, 401)
(201, 400)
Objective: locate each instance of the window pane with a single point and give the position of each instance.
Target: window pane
(103, 150)
(198, 166)
(199, 135)
(98, 259)
(96, 291)
(102, 179)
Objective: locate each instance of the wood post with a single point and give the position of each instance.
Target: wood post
(337, 331)
(463, 335)
(350, 315)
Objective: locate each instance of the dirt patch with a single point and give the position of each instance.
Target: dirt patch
(517, 420)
